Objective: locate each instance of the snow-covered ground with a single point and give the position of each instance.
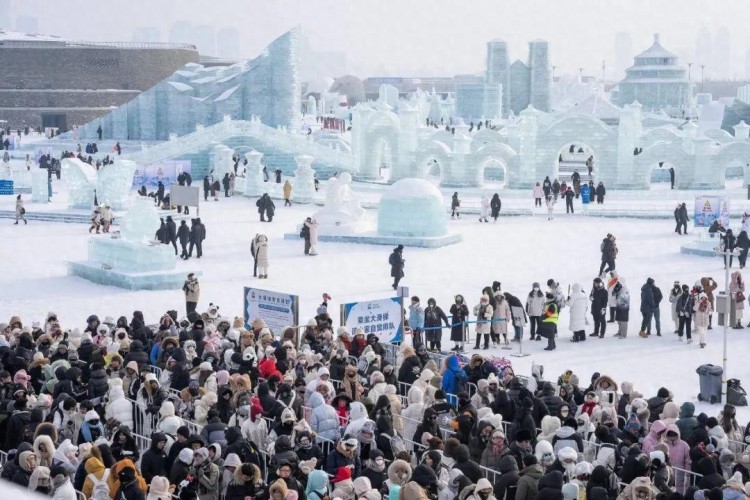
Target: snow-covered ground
(516, 251)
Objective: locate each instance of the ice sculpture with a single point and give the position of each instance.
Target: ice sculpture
(304, 183)
(133, 261)
(342, 212)
(253, 174)
(412, 208)
(40, 186)
(221, 163)
(111, 185)
(141, 222)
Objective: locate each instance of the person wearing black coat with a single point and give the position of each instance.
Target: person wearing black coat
(495, 206)
(433, 315)
(505, 487)
(551, 400)
(181, 371)
(504, 405)
(523, 421)
(245, 449)
(569, 195)
(225, 183)
(138, 354)
(550, 486)
(183, 234)
(129, 487)
(460, 315)
(98, 385)
(206, 188)
(409, 370)
(743, 243)
(159, 193)
(729, 242)
(600, 192)
(172, 233)
(682, 219)
(344, 455)
(599, 298)
(648, 305)
(265, 207)
(139, 331)
(711, 479)
(465, 464)
(396, 260)
(153, 461)
(16, 422)
(197, 235)
(375, 469)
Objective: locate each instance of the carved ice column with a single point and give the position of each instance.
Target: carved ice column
(253, 174)
(304, 180)
(39, 186)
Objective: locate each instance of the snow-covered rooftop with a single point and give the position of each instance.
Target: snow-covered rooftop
(17, 36)
(656, 50)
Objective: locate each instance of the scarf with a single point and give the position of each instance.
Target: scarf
(373, 465)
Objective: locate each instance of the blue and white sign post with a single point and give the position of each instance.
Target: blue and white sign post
(278, 310)
(383, 318)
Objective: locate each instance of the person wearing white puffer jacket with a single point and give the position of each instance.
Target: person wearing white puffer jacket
(119, 408)
(414, 412)
(377, 386)
(578, 303)
(168, 422)
(202, 406)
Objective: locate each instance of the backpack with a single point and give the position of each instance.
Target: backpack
(304, 232)
(393, 259)
(101, 488)
(397, 445)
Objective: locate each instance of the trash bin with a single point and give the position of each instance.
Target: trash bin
(710, 383)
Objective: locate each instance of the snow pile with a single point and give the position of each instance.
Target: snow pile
(412, 208)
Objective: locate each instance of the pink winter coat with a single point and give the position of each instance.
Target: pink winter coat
(737, 285)
(212, 341)
(654, 437)
(679, 456)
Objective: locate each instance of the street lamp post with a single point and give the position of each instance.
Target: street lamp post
(727, 318)
(690, 66)
(703, 66)
(553, 72)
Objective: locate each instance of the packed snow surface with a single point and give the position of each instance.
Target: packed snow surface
(516, 251)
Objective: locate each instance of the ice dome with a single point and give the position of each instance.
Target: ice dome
(412, 208)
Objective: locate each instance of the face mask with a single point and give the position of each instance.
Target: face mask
(484, 495)
(536, 288)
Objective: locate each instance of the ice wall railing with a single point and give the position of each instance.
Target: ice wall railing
(280, 138)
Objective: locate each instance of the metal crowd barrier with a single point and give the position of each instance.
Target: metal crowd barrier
(3, 458)
(156, 371)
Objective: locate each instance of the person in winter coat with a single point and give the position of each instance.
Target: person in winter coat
(681, 216)
(728, 243)
(484, 206)
(259, 250)
(655, 436)
(702, 312)
(550, 207)
(674, 295)
(465, 464)
(119, 408)
(743, 243)
(287, 193)
(153, 461)
(535, 308)
(600, 192)
(528, 479)
(509, 477)
(599, 298)
(197, 235)
(622, 308)
(537, 193)
(484, 312)
(684, 307)
(416, 321)
(324, 420)
(455, 206)
(679, 455)
(265, 207)
(183, 234)
(711, 479)
(459, 316)
(454, 378)
(397, 262)
(737, 293)
(171, 232)
(207, 473)
(495, 451)
(708, 285)
(433, 315)
(130, 488)
(578, 303)
(495, 206)
(648, 306)
(608, 249)
(501, 317)
(550, 486)
(344, 455)
(311, 242)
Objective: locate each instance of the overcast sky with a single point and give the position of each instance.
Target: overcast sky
(418, 37)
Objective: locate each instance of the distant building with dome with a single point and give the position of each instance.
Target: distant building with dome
(657, 81)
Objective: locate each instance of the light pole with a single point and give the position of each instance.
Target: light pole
(690, 66)
(703, 66)
(580, 74)
(727, 312)
(553, 72)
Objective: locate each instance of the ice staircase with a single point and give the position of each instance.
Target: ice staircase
(279, 147)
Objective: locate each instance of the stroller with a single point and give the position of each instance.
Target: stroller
(735, 393)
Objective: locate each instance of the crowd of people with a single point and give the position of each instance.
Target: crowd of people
(207, 406)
